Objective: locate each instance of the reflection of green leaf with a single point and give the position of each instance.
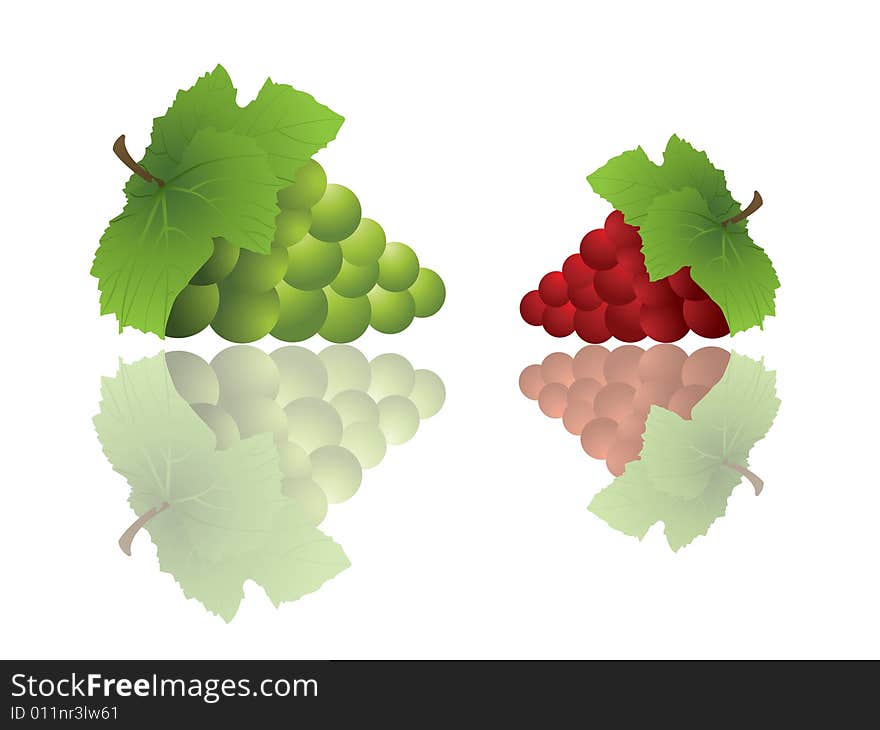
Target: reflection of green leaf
(685, 476)
(679, 230)
(227, 520)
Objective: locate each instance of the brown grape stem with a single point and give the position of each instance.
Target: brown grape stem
(757, 202)
(122, 153)
(134, 527)
(756, 481)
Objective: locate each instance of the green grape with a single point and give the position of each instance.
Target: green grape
(313, 423)
(337, 471)
(365, 245)
(347, 369)
(246, 316)
(291, 226)
(347, 319)
(391, 375)
(258, 415)
(355, 281)
(312, 263)
(398, 419)
(245, 372)
(220, 422)
(311, 181)
(366, 442)
(258, 272)
(309, 496)
(398, 267)
(303, 374)
(355, 406)
(428, 292)
(428, 393)
(193, 310)
(392, 311)
(336, 215)
(221, 263)
(293, 460)
(193, 378)
(301, 313)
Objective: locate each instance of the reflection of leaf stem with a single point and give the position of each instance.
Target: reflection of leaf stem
(756, 481)
(122, 153)
(128, 535)
(757, 202)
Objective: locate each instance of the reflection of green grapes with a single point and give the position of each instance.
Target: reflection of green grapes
(302, 374)
(217, 267)
(391, 375)
(337, 471)
(347, 369)
(220, 422)
(398, 419)
(193, 310)
(301, 313)
(291, 226)
(366, 442)
(293, 460)
(311, 181)
(336, 215)
(347, 319)
(262, 378)
(309, 496)
(428, 293)
(258, 415)
(258, 272)
(246, 316)
(313, 423)
(398, 267)
(355, 406)
(355, 281)
(193, 378)
(392, 311)
(428, 393)
(312, 264)
(365, 245)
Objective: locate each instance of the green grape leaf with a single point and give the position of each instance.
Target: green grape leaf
(630, 181)
(679, 229)
(221, 518)
(222, 186)
(687, 469)
(222, 166)
(289, 125)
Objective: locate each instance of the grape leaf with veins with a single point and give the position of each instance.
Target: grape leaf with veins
(217, 517)
(213, 169)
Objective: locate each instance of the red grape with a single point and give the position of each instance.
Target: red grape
(622, 234)
(532, 308)
(705, 318)
(590, 325)
(553, 289)
(576, 272)
(559, 321)
(684, 286)
(623, 321)
(598, 251)
(631, 259)
(655, 293)
(615, 285)
(664, 323)
(585, 297)
(598, 437)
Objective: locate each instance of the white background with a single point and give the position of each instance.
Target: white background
(469, 130)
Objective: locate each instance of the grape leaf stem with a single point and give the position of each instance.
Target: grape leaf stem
(757, 202)
(133, 529)
(756, 481)
(122, 153)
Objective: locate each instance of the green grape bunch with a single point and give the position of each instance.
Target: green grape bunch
(231, 224)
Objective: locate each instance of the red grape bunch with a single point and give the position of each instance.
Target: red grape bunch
(605, 397)
(604, 291)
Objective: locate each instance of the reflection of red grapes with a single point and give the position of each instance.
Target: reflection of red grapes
(608, 286)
